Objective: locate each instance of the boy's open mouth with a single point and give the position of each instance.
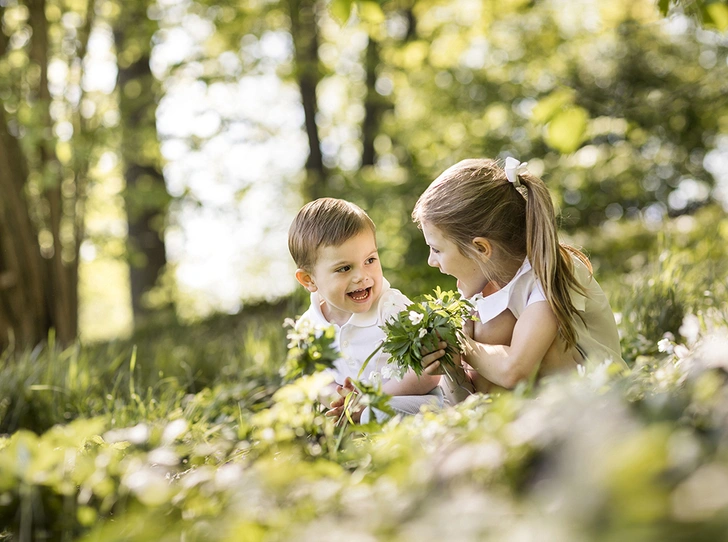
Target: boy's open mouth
(360, 295)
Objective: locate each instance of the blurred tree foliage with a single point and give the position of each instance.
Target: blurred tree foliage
(55, 124)
(622, 107)
(50, 132)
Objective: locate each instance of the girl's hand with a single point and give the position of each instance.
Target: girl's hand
(469, 328)
(431, 362)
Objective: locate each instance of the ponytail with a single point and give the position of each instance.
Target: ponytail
(551, 260)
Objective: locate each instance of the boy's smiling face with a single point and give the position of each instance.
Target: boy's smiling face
(348, 277)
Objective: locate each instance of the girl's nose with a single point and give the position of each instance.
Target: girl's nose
(431, 261)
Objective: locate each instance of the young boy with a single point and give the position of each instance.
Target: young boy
(334, 246)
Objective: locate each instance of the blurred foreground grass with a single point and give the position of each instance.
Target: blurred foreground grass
(186, 433)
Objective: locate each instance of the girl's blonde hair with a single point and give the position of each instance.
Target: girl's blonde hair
(474, 198)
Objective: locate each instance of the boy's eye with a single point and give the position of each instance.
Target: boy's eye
(371, 260)
(343, 269)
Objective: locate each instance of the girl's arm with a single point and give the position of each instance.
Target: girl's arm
(411, 384)
(535, 332)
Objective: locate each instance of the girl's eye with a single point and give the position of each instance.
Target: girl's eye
(435, 250)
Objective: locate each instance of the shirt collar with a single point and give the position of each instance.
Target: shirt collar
(358, 319)
(490, 306)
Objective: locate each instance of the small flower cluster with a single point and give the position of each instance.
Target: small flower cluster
(310, 348)
(420, 327)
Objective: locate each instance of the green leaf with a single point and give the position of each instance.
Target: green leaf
(552, 104)
(567, 129)
(664, 6)
(370, 12)
(715, 15)
(341, 10)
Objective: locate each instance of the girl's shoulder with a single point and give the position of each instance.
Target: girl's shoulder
(580, 265)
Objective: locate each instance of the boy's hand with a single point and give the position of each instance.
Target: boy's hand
(336, 407)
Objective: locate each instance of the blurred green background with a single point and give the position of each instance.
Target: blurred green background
(154, 153)
(152, 156)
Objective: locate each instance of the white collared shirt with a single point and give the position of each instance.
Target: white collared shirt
(596, 336)
(362, 334)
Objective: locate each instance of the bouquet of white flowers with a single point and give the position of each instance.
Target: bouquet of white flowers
(310, 348)
(421, 326)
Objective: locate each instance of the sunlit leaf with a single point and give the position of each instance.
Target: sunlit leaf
(370, 12)
(716, 15)
(549, 106)
(341, 10)
(566, 130)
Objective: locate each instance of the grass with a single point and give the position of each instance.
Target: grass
(188, 433)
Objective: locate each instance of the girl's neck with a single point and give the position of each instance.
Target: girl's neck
(506, 272)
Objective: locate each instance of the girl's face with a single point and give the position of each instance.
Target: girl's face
(348, 277)
(446, 256)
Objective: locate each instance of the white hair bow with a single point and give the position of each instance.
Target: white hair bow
(513, 168)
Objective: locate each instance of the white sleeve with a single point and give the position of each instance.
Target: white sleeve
(536, 294)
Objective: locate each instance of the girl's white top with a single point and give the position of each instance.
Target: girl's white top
(596, 336)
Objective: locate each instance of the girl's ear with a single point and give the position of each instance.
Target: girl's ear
(306, 280)
(483, 247)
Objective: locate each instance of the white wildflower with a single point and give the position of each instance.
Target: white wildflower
(665, 345)
(387, 372)
(690, 328)
(422, 332)
(415, 317)
(174, 430)
(581, 370)
(289, 322)
(390, 371)
(375, 379)
(681, 351)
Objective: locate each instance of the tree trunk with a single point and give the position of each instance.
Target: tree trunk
(38, 284)
(373, 105)
(146, 197)
(62, 292)
(24, 312)
(304, 31)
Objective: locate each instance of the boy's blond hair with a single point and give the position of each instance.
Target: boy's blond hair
(324, 222)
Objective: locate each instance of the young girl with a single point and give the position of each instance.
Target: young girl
(539, 307)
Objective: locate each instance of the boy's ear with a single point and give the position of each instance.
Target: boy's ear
(306, 280)
(483, 247)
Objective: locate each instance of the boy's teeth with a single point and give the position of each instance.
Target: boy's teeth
(359, 294)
